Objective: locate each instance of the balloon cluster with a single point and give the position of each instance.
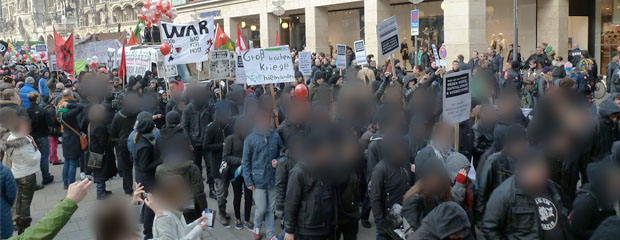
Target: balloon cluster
(155, 11)
(92, 61)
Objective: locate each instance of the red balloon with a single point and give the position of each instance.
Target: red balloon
(148, 24)
(301, 91)
(164, 48)
(42, 54)
(147, 4)
(44, 61)
(142, 17)
(157, 14)
(33, 59)
(94, 65)
(25, 57)
(159, 6)
(16, 54)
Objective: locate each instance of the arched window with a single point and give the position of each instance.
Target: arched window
(129, 13)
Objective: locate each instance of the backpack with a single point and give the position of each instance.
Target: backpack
(55, 127)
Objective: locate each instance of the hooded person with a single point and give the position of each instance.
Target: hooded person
(608, 229)
(235, 98)
(596, 199)
(216, 132)
(446, 221)
(317, 80)
(463, 190)
(122, 125)
(607, 129)
(194, 120)
(176, 156)
(145, 162)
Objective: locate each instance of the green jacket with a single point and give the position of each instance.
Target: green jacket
(51, 224)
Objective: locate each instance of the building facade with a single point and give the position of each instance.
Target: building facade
(463, 26)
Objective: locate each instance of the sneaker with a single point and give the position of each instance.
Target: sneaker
(366, 223)
(224, 220)
(256, 233)
(249, 225)
(238, 224)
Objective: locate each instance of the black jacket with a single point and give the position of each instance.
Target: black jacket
(232, 154)
(195, 120)
(70, 140)
(542, 59)
(285, 164)
(446, 219)
(173, 143)
(388, 185)
(289, 128)
(214, 143)
(483, 140)
(513, 79)
(122, 125)
(512, 213)
(99, 142)
(496, 170)
(373, 154)
(607, 131)
(40, 121)
(147, 160)
(310, 206)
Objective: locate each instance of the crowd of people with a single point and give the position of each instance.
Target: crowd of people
(366, 140)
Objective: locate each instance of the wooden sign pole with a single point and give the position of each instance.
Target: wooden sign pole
(275, 110)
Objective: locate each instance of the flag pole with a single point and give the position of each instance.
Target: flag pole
(275, 110)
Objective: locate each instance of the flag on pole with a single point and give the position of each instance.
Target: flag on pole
(222, 41)
(240, 44)
(64, 53)
(122, 69)
(135, 36)
(277, 38)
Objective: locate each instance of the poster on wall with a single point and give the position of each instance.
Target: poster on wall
(360, 52)
(387, 32)
(268, 65)
(219, 66)
(305, 63)
(189, 43)
(456, 97)
(341, 56)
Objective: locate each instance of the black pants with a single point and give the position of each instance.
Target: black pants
(238, 188)
(348, 231)
(199, 154)
(302, 237)
(366, 208)
(147, 220)
(125, 166)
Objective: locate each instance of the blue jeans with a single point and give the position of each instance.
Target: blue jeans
(68, 171)
(265, 200)
(44, 147)
(100, 189)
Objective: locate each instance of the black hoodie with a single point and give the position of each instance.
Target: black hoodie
(446, 219)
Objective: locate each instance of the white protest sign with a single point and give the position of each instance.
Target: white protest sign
(232, 62)
(305, 63)
(171, 70)
(189, 43)
(436, 55)
(341, 56)
(268, 65)
(240, 70)
(389, 40)
(456, 97)
(219, 66)
(138, 61)
(98, 48)
(360, 52)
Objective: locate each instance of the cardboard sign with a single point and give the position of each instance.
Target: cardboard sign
(219, 67)
(268, 65)
(389, 40)
(456, 97)
(305, 63)
(415, 22)
(360, 52)
(138, 61)
(240, 70)
(341, 56)
(189, 43)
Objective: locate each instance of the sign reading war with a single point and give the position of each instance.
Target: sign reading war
(189, 42)
(268, 65)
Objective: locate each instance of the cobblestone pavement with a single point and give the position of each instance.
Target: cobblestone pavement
(80, 225)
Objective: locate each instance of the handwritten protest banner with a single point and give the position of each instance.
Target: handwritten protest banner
(190, 43)
(268, 65)
(305, 63)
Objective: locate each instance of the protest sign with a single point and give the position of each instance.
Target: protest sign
(219, 66)
(232, 61)
(456, 97)
(389, 41)
(305, 63)
(341, 56)
(268, 65)
(360, 52)
(190, 43)
(240, 76)
(52, 63)
(435, 54)
(138, 61)
(98, 48)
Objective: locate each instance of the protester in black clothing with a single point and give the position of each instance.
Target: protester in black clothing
(216, 132)
(512, 78)
(483, 131)
(40, 120)
(446, 221)
(540, 57)
(122, 125)
(527, 205)
(100, 145)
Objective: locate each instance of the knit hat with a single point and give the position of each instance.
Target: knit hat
(454, 163)
(221, 108)
(318, 75)
(173, 118)
(547, 69)
(145, 122)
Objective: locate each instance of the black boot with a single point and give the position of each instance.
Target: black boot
(224, 219)
(212, 191)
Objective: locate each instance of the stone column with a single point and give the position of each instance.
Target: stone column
(552, 25)
(230, 28)
(268, 27)
(464, 27)
(375, 11)
(316, 29)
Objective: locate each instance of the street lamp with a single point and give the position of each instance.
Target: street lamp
(278, 10)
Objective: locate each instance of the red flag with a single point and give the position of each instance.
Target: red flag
(240, 44)
(277, 38)
(64, 53)
(122, 69)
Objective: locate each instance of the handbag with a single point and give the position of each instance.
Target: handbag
(95, 160)
(83, 140)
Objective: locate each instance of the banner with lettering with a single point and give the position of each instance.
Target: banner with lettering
(189, 43)
(268, 65)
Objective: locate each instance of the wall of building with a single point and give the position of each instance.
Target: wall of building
(578, 30)
(500, 20)
(344, 27)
